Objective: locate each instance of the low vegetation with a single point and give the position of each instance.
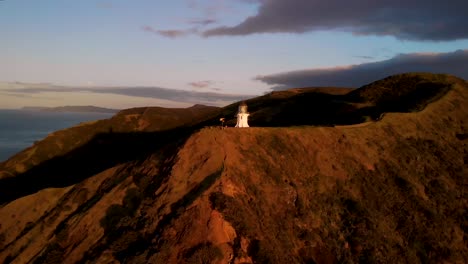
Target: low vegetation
(311, 190)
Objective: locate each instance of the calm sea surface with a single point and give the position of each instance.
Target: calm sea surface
(19, 129)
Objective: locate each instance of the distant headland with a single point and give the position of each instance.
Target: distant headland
(80, 109)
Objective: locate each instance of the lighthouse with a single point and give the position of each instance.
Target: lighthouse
(242, 116)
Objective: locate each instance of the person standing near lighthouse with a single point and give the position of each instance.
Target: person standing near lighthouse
(242, 116)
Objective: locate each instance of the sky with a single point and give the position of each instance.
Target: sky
(122, 54)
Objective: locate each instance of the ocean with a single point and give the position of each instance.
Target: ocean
(19, 129)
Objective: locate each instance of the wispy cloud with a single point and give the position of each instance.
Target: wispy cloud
(20, 95)
(145, 92)
(403, 19)
(455, 63)
(171, 33)
(205, 85)
(365, 57)
(202, 21)
(201, 84)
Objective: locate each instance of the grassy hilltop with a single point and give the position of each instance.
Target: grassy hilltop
(325, 175)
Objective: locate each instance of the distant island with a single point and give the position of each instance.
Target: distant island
(80, 109)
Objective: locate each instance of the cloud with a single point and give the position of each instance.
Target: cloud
(172, 33)
(178, 33)
(145, 92)
(403, 19)
(365, 57)
(201, 84)
(205, 85)
(20, 95)
(455, 63)
(202, 22)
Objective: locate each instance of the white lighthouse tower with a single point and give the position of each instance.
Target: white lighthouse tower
(242, 116)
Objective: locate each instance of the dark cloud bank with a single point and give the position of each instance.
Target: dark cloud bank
(432, 20)
(455, 63)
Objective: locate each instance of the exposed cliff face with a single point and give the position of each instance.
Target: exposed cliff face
(392, 190)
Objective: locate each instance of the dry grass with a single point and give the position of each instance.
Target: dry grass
(390, 191)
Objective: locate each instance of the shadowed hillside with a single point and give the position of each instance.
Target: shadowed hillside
(375, 175)
(104, 135)
(340, 106)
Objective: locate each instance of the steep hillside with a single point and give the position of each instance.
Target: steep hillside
(387, 191)
(100, 133)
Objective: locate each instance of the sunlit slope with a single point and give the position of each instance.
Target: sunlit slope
(392, 190)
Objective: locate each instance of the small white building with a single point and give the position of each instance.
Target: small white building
(242, 116)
